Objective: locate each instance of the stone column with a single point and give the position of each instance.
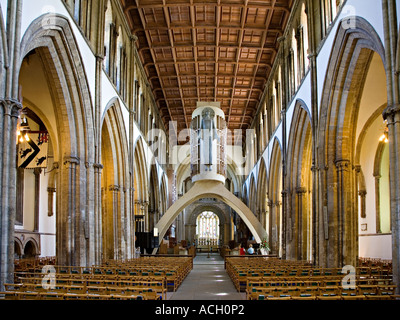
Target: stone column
(392, 115)
(97, 227)
(377, 203)
(97, 166)
(51, 189)
(284, 101)
(314, 121)
(346, 252)
(270, 222)
(67, 247)
(9, 113)
(301, 224)
(116, 219)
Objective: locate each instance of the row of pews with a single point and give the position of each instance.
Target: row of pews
(145, 278)
(275, 279)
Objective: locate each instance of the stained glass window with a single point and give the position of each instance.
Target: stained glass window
(207, 227)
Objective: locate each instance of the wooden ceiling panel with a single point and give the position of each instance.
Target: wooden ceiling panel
(207, 50)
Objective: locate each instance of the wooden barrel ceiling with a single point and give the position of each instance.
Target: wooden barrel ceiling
(207, 50)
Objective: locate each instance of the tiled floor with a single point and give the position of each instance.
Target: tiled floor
(207, 281)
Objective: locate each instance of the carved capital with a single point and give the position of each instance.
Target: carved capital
(51, 190)
(72, 160)
(362, 193)
(391, 111)
(98, 166)
(281, 39)
(342, 164)
(11, 107)
(301, 190)
(114, 187)
(134, 38)
(99, 57)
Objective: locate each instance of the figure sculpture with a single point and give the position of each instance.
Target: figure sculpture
(207, 134)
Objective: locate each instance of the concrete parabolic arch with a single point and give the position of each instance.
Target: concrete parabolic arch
(210, 189)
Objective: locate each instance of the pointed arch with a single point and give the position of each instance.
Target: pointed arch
(275, 198)
(154, 197)
(163, 195)
(140, 181)
(73, 111)
(352, 53)
(299, 185)
(211, 189)
(262, 193)
(253, 195)
(115, 184)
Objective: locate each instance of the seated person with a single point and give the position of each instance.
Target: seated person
(250, 250)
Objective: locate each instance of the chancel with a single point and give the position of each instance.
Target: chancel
(148, 144)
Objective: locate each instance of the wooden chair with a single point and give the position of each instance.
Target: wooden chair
(52, 296)
(377, 297)
(304, 297)
(353, 297)
(10, 295)
(280, 298)
(75, 296)
(367, 290)
(28, 296)
(328, 297)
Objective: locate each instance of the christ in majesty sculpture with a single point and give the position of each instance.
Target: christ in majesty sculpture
(207, 134)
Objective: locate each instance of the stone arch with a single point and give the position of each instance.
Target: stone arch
(140, 185)
(18, 248)
(31, 248)
(223, 220)
(275, 198)
(211, 189)
(115, 184)
(53, 37)
(351, 55)
(163, 195)
(262, 193)
(253, 195)
(299, 185)
(154, 197)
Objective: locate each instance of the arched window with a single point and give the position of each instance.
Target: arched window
(330, 9)
(293, 63)
(77, 11)
(207, 228)
(108, 34)
(119, 62)
(304, 27)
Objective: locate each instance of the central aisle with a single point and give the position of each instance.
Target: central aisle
(207, 281)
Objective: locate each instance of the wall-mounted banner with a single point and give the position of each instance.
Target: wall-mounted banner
(32, 150)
